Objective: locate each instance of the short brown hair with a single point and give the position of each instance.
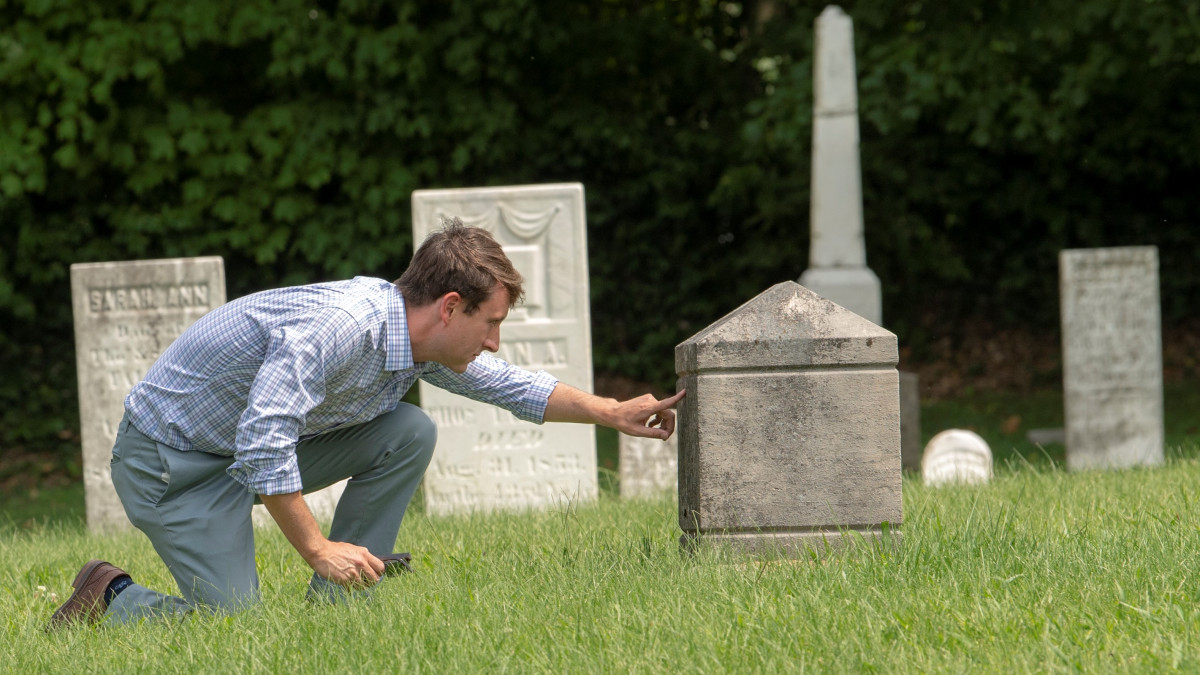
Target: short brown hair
(461, 259)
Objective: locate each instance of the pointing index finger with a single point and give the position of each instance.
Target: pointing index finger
(670, 402)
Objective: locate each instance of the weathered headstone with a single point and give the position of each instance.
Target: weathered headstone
(126, 314)
(789, 435)
(910, 421)
(838, 255)
(648, 466)
(486, 458)
(956, 456)
(1112, 357)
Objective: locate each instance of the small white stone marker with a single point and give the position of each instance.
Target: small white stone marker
(648, 466)
(957, 456)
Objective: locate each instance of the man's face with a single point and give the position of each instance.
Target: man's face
(471, 334)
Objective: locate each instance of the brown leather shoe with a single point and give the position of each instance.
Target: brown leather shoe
(86, 605)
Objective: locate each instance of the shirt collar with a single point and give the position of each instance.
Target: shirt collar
(397, 343)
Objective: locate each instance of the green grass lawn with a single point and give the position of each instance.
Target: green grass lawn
(1041, 570)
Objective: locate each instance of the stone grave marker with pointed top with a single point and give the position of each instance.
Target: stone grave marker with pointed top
(486, 458)
(789, 436)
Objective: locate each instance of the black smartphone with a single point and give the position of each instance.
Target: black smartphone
(396, 563)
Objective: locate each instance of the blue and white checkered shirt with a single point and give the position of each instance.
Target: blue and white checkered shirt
(254, 376)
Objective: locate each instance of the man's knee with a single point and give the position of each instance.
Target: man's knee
(415, 431)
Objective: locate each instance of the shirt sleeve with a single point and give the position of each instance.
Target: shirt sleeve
(492, 380)
(301, 355)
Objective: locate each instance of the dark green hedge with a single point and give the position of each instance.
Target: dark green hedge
(287, 137)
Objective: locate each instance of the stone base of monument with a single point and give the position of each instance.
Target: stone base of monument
(856, 287)
(1051, 436)
(790, 544)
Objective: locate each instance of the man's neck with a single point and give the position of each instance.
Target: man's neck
(422, 324)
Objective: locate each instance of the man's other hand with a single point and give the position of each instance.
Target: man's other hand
(346, 564)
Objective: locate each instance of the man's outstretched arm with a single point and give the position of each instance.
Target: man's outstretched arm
(642, 416)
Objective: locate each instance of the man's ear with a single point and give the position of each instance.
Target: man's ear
(448, 304)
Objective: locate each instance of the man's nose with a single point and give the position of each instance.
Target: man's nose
(492, 343)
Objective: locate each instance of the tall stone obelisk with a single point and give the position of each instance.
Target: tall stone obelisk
(838, 257)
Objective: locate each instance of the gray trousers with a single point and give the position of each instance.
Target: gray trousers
(198, 517)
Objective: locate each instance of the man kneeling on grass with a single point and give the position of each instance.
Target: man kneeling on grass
(291, 390)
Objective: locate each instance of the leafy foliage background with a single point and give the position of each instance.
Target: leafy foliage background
(287, 136)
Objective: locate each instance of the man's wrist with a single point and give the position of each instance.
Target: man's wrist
(608, 411)
(311, 552)
(297, 523)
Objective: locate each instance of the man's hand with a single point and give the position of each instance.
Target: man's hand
(339, 562)
(644, 416)
(647, 416)
(346, 564)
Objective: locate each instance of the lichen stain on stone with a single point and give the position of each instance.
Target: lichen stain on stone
(795, 307)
